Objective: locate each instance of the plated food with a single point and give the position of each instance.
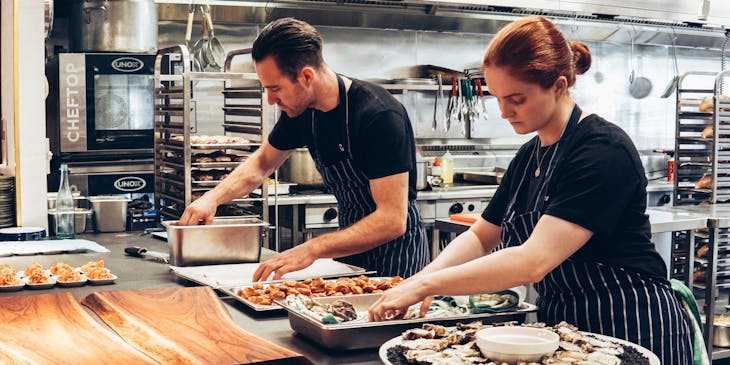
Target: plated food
(35, 276)
(10, 279)
(432, 344)
(265, 294)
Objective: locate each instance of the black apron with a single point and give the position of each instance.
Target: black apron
(404, 256)
(593, 296)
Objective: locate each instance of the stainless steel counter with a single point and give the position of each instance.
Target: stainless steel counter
(136, 273)
(436, 194)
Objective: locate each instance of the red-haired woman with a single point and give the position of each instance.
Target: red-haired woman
(569, 215)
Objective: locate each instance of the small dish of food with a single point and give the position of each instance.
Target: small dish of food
(10, 279)
(100, 276)
(33, 267)
(92, 265)
(39, 279)
(71, 278)
(60, 268)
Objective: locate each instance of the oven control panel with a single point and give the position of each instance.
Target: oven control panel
(445, 208)
(320, 216)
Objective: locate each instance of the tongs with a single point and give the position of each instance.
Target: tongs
(453, 109)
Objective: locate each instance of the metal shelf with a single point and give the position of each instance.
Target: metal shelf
(174, 158)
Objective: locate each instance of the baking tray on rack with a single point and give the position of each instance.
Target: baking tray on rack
(233, 292)
(362, 335)
(218, 146)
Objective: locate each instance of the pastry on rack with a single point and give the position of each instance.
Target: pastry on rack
(707, 104)
(708, 132)
(704, 183)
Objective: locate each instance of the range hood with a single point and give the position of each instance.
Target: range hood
(448, 16)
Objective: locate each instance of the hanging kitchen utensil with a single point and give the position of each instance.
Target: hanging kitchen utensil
(481, 101)
(639, 86)
(464, 106)
(201, 43)
(214, 52)
(452, 109)
(434, 124)
(672, 86)
(195, 64)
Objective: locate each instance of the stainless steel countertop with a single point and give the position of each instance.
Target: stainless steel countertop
(486, 191)
(137, 273)
(662, 219)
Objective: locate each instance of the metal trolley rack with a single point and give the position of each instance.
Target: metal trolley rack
(702, 158)
(181, 174)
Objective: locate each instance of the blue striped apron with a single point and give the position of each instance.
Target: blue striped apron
(594, 296)
(404, 256)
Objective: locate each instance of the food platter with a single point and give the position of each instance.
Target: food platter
(653, 359)
(364, 334)
(103, 281)
(233, 292)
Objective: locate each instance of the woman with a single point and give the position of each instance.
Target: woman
(569, 215)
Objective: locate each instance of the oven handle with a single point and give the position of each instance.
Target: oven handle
(112, 170)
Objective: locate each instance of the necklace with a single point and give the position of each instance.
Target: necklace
(538, 158)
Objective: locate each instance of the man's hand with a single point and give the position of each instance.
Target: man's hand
(202, 209)
(293, 259)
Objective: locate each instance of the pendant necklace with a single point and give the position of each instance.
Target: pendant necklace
(538, 158)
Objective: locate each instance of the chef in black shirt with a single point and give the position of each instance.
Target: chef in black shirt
(569, 215)
(362, 143)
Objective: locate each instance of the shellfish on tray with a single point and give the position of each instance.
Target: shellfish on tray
(434, 344)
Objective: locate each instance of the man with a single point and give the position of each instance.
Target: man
(362, 143)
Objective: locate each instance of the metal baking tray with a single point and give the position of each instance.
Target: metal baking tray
(232, 291)
(224, 241)
(352, 336)
(237, 275)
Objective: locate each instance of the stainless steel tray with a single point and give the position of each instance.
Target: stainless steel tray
(351, 336)
(231, 275)
(225, 241)
(232, 291)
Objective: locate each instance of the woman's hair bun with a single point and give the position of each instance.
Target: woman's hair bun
(581, 57)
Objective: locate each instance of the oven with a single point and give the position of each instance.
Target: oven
(101, 102)
(100, 121)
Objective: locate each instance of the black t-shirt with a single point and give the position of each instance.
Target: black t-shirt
(380, 133)
(600, 185)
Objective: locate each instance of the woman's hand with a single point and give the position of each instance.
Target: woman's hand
(394, 302)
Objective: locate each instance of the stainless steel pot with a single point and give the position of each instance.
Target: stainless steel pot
(300, 169)
(113, 26)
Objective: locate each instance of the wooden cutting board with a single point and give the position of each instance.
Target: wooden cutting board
(184, 326)
(56, 329)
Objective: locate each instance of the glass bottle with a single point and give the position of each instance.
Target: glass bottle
(65, 206)
(447, 169)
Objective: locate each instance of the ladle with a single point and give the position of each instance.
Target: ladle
(639, 86)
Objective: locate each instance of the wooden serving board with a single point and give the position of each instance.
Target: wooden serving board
(184, 326)
(56, 329)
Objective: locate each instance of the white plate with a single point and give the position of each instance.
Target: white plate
(13, 287)
(102, 281)
(653, 359)
(71, 284)
(49, 284)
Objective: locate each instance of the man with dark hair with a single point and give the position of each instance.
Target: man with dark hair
(362, 143)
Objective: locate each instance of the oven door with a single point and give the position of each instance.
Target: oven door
(120, 105)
